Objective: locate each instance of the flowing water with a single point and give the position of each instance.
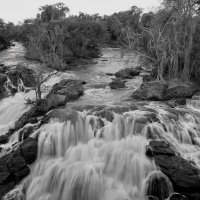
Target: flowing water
(89, 156)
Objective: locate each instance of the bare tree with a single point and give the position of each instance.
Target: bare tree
(50, 56)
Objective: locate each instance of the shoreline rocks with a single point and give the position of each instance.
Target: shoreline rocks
(164, 91)
(184, 175)
(14, 165)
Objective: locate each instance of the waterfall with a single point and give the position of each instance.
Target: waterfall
(77, 162)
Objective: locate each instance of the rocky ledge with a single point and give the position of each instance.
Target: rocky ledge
(14, 165)
(183, 174)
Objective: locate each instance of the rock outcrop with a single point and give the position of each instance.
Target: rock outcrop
(183, 174)
(14, 165)
(60, 94)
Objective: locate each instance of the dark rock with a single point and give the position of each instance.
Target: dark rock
(158, 185)
(4, 139)
(127, 73)
(176, 102)
(13, 169)
(3, 79)
(14, 165)
(150, 91)
(110, 74)
(177, 196)
(117, 83)
(179, 92)
(25, 132)
(184, 175)
(29, 150)
(68, 87)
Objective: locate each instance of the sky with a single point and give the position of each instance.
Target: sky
(18, 10)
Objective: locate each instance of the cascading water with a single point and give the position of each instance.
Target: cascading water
(86, 157)
(75, 163)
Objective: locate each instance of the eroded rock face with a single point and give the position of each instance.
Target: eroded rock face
(184, 175)
(14, 165)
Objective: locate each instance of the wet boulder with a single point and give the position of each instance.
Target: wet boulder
(184, 175)
(127, 73)
(117, 84)
(158, 185)
(61, 92)
(14, 165)
(179, 92)
(150, 91)
(13, 169)
(28, 150)
(69, 88)
(4, 139)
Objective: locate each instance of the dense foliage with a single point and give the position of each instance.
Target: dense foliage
(169, 37)
(6, 34)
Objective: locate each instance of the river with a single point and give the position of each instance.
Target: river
(83, 161)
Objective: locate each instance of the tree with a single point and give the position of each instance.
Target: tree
(41, 77)
(53, 12)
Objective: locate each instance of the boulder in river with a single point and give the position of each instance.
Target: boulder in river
(179, 92)
(127, 73)
(150, 91)
(117, 84)
(184, 175)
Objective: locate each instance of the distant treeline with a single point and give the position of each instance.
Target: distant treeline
(169, 37)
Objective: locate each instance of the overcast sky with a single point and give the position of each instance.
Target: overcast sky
(18, 10)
